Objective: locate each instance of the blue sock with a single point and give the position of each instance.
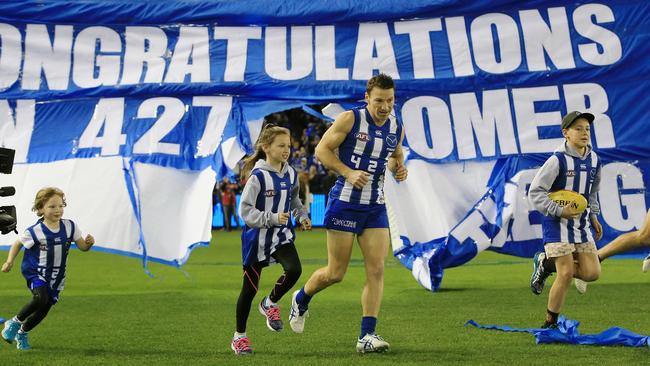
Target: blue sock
(303, 299)
(368, 324)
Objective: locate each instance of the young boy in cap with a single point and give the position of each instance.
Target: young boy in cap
(569, 246)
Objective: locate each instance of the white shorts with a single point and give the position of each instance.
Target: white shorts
(559, 249)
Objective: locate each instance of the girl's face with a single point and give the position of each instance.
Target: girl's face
(53, 209)
(579, 133)
(278, 151)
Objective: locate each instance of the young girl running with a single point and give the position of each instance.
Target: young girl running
(46, 251)
(269, 197)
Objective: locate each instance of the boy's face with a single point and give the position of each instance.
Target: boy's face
(579, 133)
(53, 209)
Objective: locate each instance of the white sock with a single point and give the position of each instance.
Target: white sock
(239, 335)
(15, 318)
(268, 302)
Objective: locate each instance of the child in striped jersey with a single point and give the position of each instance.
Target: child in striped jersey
(44, 264)
(569, 246)
(269, 197)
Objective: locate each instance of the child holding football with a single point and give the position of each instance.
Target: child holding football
(569, 246)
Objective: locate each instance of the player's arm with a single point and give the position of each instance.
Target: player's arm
(84, 244)
(540, 187)
(11, 256)
(332, 139)
(594, 207)
(396, 162)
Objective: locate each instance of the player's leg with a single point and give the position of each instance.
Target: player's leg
(240, 343)
(374, 244)
(287, 256)
(562, 256)
(627, 241)
(339, 250)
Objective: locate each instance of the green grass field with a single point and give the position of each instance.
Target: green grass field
(111, 313)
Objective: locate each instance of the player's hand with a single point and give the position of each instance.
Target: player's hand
(283, 218)
(89, 240)
(597, 227)
(400, 173)
(570, 211)
(6, 267)
(358, 178)
(306, 224)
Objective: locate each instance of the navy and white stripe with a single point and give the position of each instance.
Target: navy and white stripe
(576, 175)
(46, 252)
(274, 196)
(367, 147)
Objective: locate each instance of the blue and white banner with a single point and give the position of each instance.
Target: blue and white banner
(131, 108)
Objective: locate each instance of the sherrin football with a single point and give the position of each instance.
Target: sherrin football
(564, 197)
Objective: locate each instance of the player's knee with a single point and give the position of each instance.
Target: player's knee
(41, 300)
(294, 271)
(591, 276)
(564, 276)
(644, 235)
(375, 273)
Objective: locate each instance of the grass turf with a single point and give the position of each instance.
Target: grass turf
(111, 313)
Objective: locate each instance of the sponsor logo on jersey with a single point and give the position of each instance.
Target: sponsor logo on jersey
(391, 140)
(283, 184)
(362, 136)
(570, 173)
(378, 133)
(269, 193)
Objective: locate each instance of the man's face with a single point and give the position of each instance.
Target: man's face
(380, 103)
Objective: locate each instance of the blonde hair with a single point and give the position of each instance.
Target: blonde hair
(44, 195)
(267, 136)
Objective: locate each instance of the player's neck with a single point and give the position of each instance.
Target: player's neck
(53, 225)
(580, 150)
(277, 165)
(377, 122)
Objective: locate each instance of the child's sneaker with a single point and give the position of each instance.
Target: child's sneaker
(241, 346)
(22, 342)
(297, 316)
(581, 285)
(646, 264)
(10, 330)
(372, 343)
(272, 315)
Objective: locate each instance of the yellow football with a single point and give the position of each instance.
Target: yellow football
(564, 197)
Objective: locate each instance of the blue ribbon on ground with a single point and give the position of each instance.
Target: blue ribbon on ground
(567, 332)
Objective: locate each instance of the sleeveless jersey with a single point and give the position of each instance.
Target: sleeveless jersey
(275, 196)
(367, 147)
(46, 252)
(576, 175)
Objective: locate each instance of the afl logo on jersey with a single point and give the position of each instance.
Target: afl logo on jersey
(269, 193)
(362, 136)
(391, 140)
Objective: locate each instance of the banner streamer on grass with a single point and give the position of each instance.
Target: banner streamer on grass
(567, 332)
(179, 91)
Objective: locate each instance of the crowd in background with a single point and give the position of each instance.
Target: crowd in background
(306, 131)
